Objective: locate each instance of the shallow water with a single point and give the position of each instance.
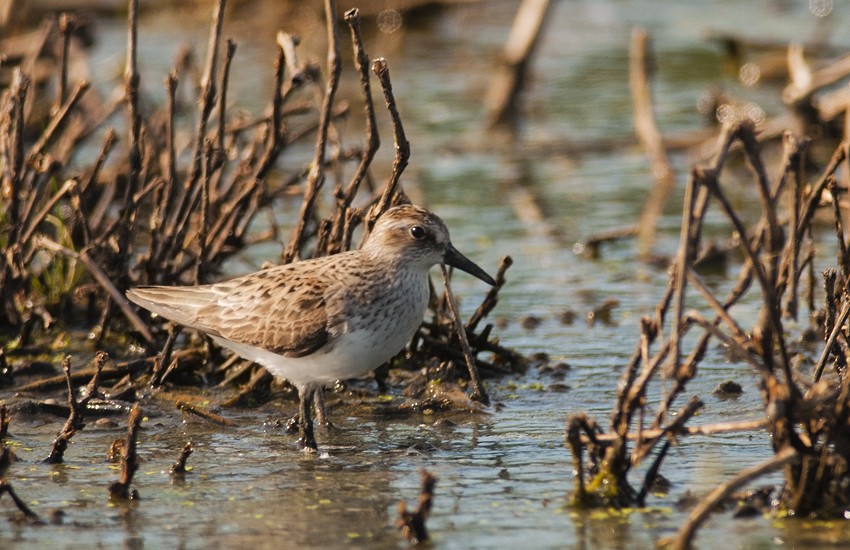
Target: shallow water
(504, 477)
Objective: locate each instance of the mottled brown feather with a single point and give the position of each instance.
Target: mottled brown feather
(297, 309)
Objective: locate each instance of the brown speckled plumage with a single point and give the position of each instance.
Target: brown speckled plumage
(319, 320)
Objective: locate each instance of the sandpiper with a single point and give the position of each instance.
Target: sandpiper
(320, 320)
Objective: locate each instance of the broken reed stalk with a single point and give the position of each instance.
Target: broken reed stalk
(229, 53)
(316, 177)
(203, 413)
(664, 178)
(120, 370)
(4, 423)
(131, 90)
(492, 297)
(67, 24)
(338, 240)
(503, 101)
(14, 144)
(648, 434)
(76, 419)
(808, 422)
(56, 122)
(179, 467)
(208, 93)
(120, 490)
(837, 328)
(164, 358)
(400, 143)
(698, 515)
(479, 393)
(793, 148)
(412, 523)
(102, 279)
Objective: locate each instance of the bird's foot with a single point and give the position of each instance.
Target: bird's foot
(307, 441)
(307, 449)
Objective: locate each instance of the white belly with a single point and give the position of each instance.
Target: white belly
(361, 346)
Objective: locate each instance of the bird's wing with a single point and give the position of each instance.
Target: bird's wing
(278, 309)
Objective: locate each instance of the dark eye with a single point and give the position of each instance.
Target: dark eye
(418, 232)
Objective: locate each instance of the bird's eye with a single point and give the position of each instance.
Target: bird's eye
(418, 232)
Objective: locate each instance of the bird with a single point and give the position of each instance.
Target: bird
(316, 321)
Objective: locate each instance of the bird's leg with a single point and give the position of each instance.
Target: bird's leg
(319, 407)
(305, 422)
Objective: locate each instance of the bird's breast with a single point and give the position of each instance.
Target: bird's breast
(379, 323)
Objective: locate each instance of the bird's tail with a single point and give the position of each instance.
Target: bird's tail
(178, 304)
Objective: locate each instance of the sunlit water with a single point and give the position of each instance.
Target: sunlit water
(504, 477)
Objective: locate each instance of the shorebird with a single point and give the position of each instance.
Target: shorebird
(325, 319)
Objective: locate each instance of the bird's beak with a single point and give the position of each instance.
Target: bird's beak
(458, 260)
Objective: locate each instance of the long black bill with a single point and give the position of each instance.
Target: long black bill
(458, 260)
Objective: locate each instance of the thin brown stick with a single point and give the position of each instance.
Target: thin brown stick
(479, 393)
(222, 104)
(412, 524)
(67, 24)
(818, 188)
(203, 221)
(103, 280)
(316, 177)
(171, 83)
(15, 169)
(33, 224)
(373, 140)
(836, 330)
(58, 120)
(686, 533)
(684, 259)
(208, 92)
(275, 138)
(76, 419)
(179, 467)
(108, 143)
(794, 147)
(771, 303)
(492, 297)
(647, 434)
(164, 358)
(131, 91)
(402, 146)
(120, 490)
(502, 103)
(664, 178)
(203, 413)
(718, 308)
(843, 255)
